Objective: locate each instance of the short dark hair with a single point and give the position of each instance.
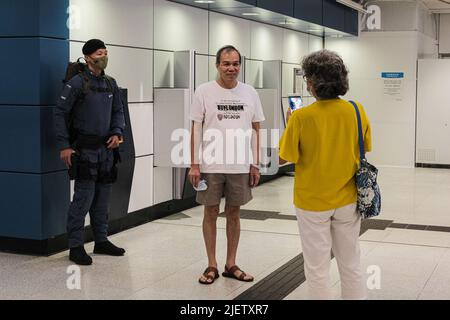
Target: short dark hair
(327, 72)
(227, 48)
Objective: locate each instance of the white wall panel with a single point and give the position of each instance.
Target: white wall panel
(171, 113)
(315, 43)
(444, 33)
(288, 79)
(141, 116)
(427, 21)
(254, 73)
(75, 50)
(163, 69)
(227, 30)
(381, 108)
(132, 68)
(266, 42)
(201, 70)
(213, 74)
(180, 27)
(114, 21)
(433, 111)
(295, 46)
(428, 47)
(162, 184)
(142, 187)
(392, 119)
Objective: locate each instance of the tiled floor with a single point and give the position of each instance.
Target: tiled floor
(165, 257)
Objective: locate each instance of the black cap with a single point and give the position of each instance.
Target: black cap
(93, 45)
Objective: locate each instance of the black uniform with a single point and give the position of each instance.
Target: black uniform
(88, 112)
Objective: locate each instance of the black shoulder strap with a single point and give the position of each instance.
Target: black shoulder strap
(85, 81)
(109, 83)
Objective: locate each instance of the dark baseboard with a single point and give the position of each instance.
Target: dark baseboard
(59, 243)
(432, 165)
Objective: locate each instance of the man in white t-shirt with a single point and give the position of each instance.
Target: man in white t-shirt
(226, 116)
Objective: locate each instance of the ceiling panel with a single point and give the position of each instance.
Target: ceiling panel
(249, 12)
(438, 6)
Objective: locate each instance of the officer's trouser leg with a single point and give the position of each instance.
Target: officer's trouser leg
(99, 211)
(82, 200)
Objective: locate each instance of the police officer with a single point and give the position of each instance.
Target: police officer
(89, 125)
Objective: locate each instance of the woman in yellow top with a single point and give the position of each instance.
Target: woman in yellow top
(322, 141)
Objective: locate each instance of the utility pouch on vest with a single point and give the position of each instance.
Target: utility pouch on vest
(116, 155)
(74, 167)
(114, 169)
(111, 176)
(81, 169)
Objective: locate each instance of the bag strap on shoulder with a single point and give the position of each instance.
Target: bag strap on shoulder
(362, 153)
(109, 82)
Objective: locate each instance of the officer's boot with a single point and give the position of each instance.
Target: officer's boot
(108, 248)
(79, 256)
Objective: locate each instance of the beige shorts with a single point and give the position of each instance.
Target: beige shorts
(235, 187)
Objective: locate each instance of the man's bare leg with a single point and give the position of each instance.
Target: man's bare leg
(233, 235)
(209, 235)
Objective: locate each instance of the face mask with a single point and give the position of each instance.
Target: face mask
(100, 63)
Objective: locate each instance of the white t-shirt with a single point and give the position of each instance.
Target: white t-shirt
(227, 116)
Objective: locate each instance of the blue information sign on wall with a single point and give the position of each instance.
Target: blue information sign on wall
(393, 75)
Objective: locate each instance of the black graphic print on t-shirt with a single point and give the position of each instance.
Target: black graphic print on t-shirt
(230, 110)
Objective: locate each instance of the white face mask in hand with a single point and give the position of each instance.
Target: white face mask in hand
(202, 186)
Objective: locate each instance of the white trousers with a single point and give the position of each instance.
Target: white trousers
(337, 230)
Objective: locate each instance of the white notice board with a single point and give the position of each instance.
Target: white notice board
(393, 83)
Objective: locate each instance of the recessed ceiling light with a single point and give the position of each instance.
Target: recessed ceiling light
(204, 1)
(286, 22)
(355, 5)
(250, 14)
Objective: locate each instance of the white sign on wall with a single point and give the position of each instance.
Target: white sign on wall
(393, 85)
